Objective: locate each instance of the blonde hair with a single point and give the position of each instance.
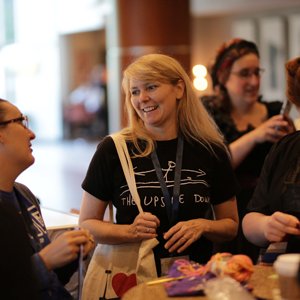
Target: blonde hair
(193, 121)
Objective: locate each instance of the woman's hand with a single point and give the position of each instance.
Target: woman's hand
(272, 130)
(183, 234)
(65, 248)
(144, 226)
(277, 226)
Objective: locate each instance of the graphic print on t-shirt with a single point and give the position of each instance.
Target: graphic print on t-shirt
(38, 222)
(149, 187)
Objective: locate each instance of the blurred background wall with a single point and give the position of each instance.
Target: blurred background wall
(61, 63)
(49, 48)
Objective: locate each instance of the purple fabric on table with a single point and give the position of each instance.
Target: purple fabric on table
(189, 286)
(178, 264)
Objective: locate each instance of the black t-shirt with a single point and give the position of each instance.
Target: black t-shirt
(31, 216)
(25, 207)
(17, 280)
(279, 184)
(248, 171)
(205, 179)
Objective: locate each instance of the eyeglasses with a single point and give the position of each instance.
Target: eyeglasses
(23, 120)
(247, 73)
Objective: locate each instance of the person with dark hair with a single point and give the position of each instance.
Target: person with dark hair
(249, 124)
(54, 262)
(181, 166)
(274, 210)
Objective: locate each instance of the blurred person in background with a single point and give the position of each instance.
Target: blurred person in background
(249, 124)
(85, 113)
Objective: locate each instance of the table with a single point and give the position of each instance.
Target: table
(57, 223)
(263, 280)
(56, 220)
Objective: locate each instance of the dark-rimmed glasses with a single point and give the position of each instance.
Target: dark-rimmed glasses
(23, 120)
(247, 73)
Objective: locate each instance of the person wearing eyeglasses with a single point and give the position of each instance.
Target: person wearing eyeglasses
(53, 262)
(274, 210)
(249, 124)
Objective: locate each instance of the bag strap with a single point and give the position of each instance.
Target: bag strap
(127, 167)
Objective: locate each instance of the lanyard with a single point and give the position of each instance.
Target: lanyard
(172, 208)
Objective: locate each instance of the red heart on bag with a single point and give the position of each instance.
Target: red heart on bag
(121, 283)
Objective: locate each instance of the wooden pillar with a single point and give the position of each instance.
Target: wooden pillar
(151, 26)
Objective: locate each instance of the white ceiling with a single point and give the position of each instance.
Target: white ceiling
(215, 7)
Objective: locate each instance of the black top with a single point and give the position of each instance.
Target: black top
(25, 207)
(205, 180)
(279, 185)
(249, 170)
(17, 279)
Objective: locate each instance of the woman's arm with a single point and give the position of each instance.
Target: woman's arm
(266, 132)
(92, 218)
(224, 228)
(260, 229)
(240, 148)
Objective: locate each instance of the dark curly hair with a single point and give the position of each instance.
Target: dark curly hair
(220, 69)
(227, 54)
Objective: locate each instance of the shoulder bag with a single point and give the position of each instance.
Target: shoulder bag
(116, 268)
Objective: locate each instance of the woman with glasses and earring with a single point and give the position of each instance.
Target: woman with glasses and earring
(54, 262)
(249, 124)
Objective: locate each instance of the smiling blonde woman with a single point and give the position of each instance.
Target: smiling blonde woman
(181, 167)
